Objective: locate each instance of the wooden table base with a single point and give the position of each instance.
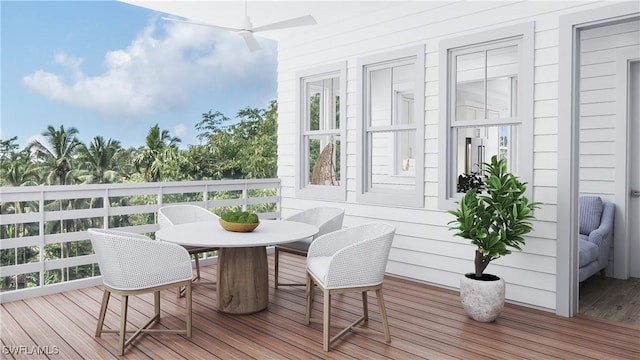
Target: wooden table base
(243, 280)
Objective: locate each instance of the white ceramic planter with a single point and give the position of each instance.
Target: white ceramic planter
(483, 300)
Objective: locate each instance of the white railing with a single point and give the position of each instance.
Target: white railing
(38, 221)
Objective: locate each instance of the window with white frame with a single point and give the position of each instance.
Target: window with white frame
(487, 98)
(320, 156)
(391, 132)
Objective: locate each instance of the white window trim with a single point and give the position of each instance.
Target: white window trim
(525, 105)
(321, 192)
(404, 198)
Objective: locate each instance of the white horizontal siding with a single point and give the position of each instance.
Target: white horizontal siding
(425, 249)
(597, 106)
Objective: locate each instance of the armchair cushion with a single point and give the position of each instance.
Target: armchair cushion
(319, 266)
(590, 208)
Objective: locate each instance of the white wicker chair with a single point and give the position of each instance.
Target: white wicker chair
(327, 219)
(180, 214)
(349, 260)
(133, 264)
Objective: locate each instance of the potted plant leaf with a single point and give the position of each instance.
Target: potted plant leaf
(495, 221)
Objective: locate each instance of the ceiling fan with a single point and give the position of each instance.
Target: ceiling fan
(247, 29)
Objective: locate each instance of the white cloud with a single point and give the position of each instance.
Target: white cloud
(157, 72)
(180, 130)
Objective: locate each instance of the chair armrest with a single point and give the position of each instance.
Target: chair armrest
(602, 235)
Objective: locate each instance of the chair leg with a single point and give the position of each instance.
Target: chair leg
(309, 298)
(123, 322)
(196, 258)
(365, 306)
(188, 299)
(326, 326)
(156, 304)
(275, 270)
(103, 311)
(383, 316)
(181, 290)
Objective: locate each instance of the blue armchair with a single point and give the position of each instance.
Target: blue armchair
(596, 234)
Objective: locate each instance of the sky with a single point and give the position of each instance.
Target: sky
(114, 70)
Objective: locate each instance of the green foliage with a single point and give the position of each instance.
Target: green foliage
(100, 161)
(152, 159)
(56, 158)
(8, 147)
(211, 124)
(496, 219)
(245, 149)
(240, 217)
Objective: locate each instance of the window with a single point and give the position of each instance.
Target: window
(320, 156)
(391, 131)
(487, 103)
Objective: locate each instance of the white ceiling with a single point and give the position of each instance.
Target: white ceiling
(230, 13)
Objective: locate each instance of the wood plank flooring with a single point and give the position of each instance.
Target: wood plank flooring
(613, 299)
(426, 323)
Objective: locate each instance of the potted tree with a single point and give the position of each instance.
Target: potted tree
(495, 221)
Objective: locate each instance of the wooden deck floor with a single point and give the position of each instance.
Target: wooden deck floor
(426, 322)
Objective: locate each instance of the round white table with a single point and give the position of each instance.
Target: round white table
(243, 272)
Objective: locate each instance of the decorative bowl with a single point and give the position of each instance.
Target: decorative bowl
(238, 227)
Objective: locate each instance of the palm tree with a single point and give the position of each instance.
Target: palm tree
(55, 158)
(8, 147)
(18, 170)
(100, 160)
(159, 148)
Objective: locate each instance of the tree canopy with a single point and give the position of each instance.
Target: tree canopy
(239, 148)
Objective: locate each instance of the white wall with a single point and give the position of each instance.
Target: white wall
(424, 248)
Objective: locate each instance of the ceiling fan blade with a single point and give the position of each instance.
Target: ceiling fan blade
(193, 22)
(251, 41)
(299, 21)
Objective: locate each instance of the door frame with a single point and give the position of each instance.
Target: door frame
(624, 58)
(568, 144)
